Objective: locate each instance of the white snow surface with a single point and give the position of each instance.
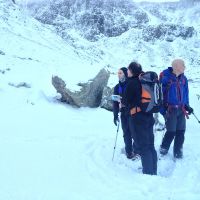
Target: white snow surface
(51, 151)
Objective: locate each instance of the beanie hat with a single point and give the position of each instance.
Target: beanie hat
(124, 69)
(135, 68)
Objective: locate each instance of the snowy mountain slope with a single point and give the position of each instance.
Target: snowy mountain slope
(28, 45)
(153, 34)
(49, 150)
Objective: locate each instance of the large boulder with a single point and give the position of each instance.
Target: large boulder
(106, 101)
(90, 94)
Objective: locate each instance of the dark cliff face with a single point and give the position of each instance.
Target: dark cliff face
(111, 18)
(92, 18)
(121, 30)
(167, 32)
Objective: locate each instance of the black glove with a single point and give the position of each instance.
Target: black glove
(189, 109)
(116, 120)
(163, 110)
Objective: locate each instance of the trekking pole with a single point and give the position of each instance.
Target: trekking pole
(116, 140)
(196, 117)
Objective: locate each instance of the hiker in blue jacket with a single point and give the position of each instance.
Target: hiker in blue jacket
(120, 107)
(175, 107)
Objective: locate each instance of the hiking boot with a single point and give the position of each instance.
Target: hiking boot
(133, 156)
(163, 151)
(130, 155)
(136, 156)
(178, 155)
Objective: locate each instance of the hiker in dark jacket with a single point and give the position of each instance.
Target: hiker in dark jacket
(119, 107)
(176, 107)
(140, 123)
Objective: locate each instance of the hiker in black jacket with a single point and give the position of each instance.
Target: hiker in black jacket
(140, 123)
(119, 107)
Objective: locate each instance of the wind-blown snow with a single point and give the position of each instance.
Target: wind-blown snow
(49, 150)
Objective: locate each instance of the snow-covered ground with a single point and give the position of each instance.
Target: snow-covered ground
(51, 151)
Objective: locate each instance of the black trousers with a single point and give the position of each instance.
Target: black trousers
(175, 125)
(141, 126)
(128, 140)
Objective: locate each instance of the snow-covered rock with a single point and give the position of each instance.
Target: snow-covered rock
(90, 94)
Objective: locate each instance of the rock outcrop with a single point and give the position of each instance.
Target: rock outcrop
(90, 94)
(168, 32)
(106, 101)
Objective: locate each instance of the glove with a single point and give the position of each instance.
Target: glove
(189, 109)
(116, 120)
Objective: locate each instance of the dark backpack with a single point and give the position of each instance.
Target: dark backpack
(151, 98)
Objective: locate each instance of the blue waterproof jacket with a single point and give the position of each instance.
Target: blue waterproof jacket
(175, 89)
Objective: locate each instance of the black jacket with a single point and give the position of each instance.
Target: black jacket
(132, 95)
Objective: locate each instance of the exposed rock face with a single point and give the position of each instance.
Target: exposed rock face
(111, 18)
(167, 31)
(2, 53)
(21, 84)
(92, 18)
(90, 94)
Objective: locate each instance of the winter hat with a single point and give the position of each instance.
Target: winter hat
(124, 69)
(135, 68)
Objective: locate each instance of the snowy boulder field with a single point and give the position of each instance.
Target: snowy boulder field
(52, 151)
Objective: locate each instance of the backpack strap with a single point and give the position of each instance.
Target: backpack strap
(161, 75)
(169, 84)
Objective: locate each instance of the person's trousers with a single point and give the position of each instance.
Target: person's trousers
(175, 125)
(141, 126)
(128, 141)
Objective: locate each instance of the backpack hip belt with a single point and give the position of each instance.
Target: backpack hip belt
(174, 106)
(135, 110)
